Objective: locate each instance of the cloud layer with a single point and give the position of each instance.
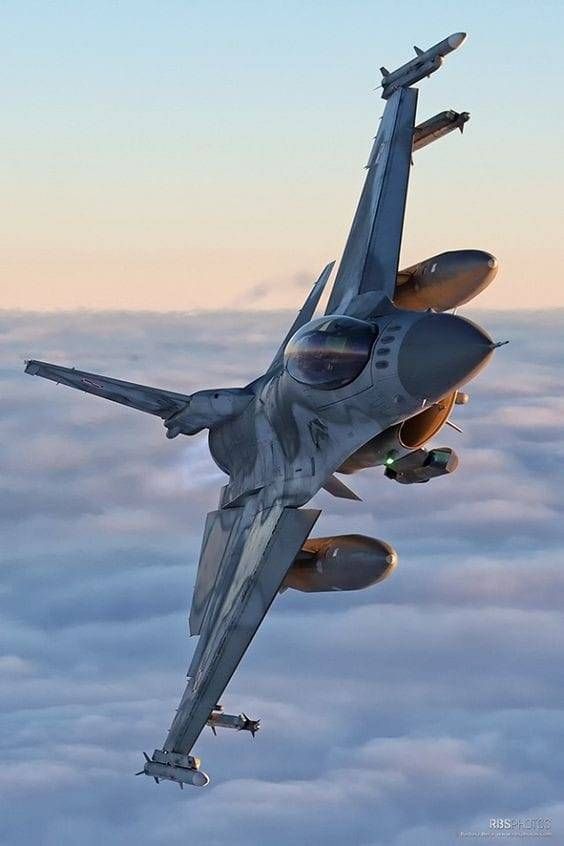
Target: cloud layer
(399, 716)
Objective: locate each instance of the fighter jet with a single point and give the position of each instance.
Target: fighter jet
(366, 384)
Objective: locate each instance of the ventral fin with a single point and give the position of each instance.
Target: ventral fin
(335, 487)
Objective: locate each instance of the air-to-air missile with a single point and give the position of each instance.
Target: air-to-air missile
(438, 126)
(238, 722)
(424, 64)
(185, 769)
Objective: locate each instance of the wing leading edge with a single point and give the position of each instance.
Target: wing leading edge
(371, 255)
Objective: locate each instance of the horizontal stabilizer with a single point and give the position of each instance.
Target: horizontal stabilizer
(182, 413)
(141, 397)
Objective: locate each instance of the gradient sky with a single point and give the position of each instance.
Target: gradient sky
(396, 716)
(180, 155)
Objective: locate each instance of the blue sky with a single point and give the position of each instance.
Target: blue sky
(155, 151)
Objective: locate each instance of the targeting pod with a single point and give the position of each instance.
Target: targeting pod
(422, 466)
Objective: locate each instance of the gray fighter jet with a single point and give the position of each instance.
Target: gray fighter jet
(367, 384)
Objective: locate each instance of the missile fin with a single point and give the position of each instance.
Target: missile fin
(384, 71)
(418, 50)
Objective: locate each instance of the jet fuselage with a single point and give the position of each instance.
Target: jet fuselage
(307, 418)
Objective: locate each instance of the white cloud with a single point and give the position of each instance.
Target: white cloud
(394, 717)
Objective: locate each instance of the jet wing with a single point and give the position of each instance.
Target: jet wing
(152, 400)
(371, 255)
(260, 547)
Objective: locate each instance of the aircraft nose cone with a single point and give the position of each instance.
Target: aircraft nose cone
(441, 352)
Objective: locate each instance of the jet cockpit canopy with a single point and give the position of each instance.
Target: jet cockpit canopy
(330, 352)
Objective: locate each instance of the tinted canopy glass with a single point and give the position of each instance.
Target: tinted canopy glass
(330, 352)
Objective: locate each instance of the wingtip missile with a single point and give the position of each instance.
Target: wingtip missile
(424, 64)
(455, 40)
(174, 766)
